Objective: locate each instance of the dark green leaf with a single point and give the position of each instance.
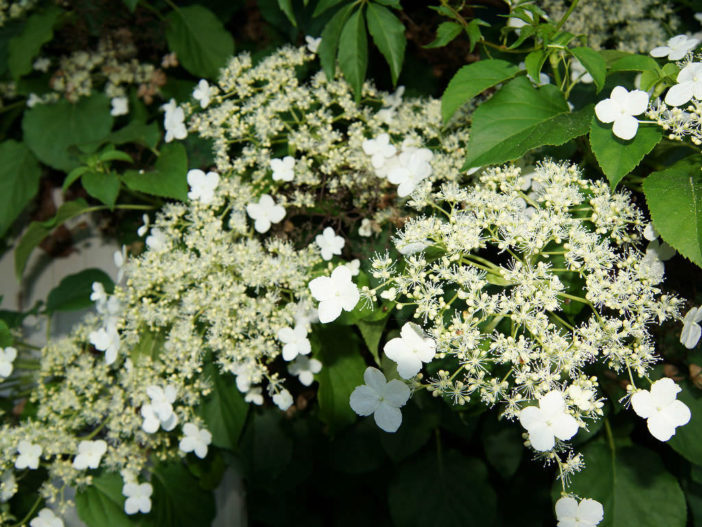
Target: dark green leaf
(534, 61)
(330, 40)
(686, 440)
(353, 52)
(167, 179)
(445, 33)
(73, 292)
(286, 7)
(131, 4)
(102, 502)
(473, 30)
(178, 500)
(137, 132)
(634, 63)
(416, 429)
(225, 410)
(372, 333)
(593, 62)
(37, 31)
(323, 5)
(266, 448)
(19, 181)
(503, 445)
(5, 335)
(103, 186)
(389, 35)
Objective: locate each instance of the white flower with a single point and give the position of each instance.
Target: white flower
(173, 121)
(99, 296)
(265, 212)
(676, 47)
(578, 73)
(410, 349)
(141, 231)
(548, 421)
(162, 400)
(570, 513)
(120, 257)
(89, 454)
(138, 497)
(620, 109)
(691, 332)
(283, 400)
(7, 357)
(46, 518)
(329, 243)
(305, 368)
(689, 85)
(413, 167)
(157, 240)
(295, 340)
(28, 455)
(313, 43)
(650, 232)
(379, 150)
(335, 292)
(581, 397)
(151, 422)
(106, 339)
(354, 266)
(202, 186)
(8, 486)
(254, 395)
(381, 398)
(365, 229)
(33, 100)
(283, 169)
(120, 106)
(195, 440)
(203, 93)
(407, 249)
(661, 409)
(42, 64)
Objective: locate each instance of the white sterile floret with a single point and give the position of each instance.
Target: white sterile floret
(144, 228)
(265, 212)
(548, 421)
(379, 150)
(46, 518)
(650, 232)
(578, 73)
(620, 109)
(203, 93)
(138, 497)
(162, 400)
(106, 339)
(195, 440)
(202, 186)
(581, 397)
(254, 395)
(661, 409)
(366, 228)
(354, 266)
(313, 43)
(283, 169)
(305, 368)
(335, 292)
(381, 398)
(89, 454)
(29, 454)
(691, 331)
(676, 48)
(689, 85)
(8, 486)
(7, 357)
(410, 350)
(173, 121)
(570, 513)
(412, 168)
(329, 243)
(283, 399)
(120, 106)
(295, 342)
(157, 240)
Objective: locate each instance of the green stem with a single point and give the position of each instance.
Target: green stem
(31, 512)
(567, 14)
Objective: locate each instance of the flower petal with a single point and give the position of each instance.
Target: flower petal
(329, 310)
(625, 127)
(678, 413)
(664, 391)
(541, 437)
(636, 102)
(364, 400)
(607, 110)
(566, 507)
(642, 403)
(690, 335)
(564, 427)
(679, 94)
(591, 511)
(396, 393)
(660, 426)
(375, 379)
(552, 404)
(387, 417)
(660, 51)
(530, 417)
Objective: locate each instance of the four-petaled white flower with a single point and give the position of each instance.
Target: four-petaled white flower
(265, 212)
(335, 292)
(689, 85)
(413, 167)
(162, 400)
(295, 342)
(283, 169)
(28, 455)
(410, 349)
(8, 486)
(620, 109)
(548, 421)
(283, 399)
(203, 93)
(254, 395)
(676, 47)
(582, 397)
(661, 409)
(173, 121)
(366, 228)
(157, 240)
(7, 357)
(305, 369)
(138, 497)
(202, 186)
(379, 150)
(196, 440)
(313, 43)
(89, 454)
(106, 339)
(691, 332)
(354, 266)
(381, 398)
(329, 243)
(570, 513)
(120, 106)
(46, 518)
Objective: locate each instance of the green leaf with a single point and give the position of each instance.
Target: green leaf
(416, 429)
(323, 5)
(503, 445)
(73, 292)
(445, 33)
(19, 181)
(474, 34)
(473, 79)
(286, 7)
(617, 157)
(632, 485)
(199, 39)
(634, 63)
(450, 490)
(372, 332)
(168, 178)
(593, 62)
(674, 198)
(389, 35)
(137, 132)
(519, 118)
(534, 61)
(38, 30)
(50, 129)
(686, 440)
(178, 500)
(102, 502)
(131, 4)
(330, 40)
(353, 52)
(38, 230)
(73, 175)
(103, 186)
(266, 449)
(225, 410)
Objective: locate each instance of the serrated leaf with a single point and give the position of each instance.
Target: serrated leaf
(73, 292)
(178, 499)
(19, 181)
(617, 157)
(634, 63)
(199, 39)
(674, 199)
(287, 8)
(353, 52)
(103, 186)
(472, 80)
(137, 132)
(389, 36)
(38, 29)
(168, 178)
(445, 33)
(593, 62)
(474, 34)
(520, 118)
(102, 503)
(225, 410)
(330, 40)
